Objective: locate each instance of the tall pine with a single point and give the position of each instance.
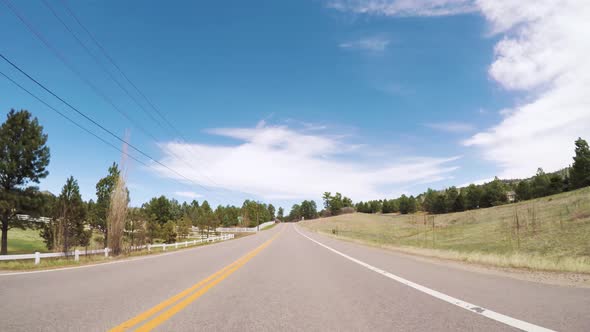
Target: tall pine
(580, 171)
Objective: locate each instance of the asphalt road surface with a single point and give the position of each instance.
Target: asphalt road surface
(281, 279)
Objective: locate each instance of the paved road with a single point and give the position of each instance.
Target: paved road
(278, 280)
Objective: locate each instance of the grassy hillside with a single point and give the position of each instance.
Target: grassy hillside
(550, 233)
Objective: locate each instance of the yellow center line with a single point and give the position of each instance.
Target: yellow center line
(220, 275)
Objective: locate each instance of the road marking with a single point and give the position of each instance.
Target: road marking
(519, 324)
(184, 298)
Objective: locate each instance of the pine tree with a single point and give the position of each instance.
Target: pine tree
(580, 171)
(24, 157)
(67, 227)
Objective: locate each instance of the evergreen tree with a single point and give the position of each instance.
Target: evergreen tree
(540, 184)
(24, 157)
(404, 204)
(493, 194)
(523, 191)
(473, 195)
(556, 184)
(459, 204)
(451, 196)
(271, 211)
(580, 171)
(67, 228)
(412, 205)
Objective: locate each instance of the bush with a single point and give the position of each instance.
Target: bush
(346, 210)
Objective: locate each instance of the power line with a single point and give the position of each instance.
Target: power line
(91, 85)
(63, 115)
(67, 27)
(114, 63)
(72, 121)
(99, 125)
(65, 61)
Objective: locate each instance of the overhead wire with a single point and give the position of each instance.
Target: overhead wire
(102, 67)
(93, 87)
(114, 63)
(65, 61)
(102, 127)
(63, 115)
(124, 75)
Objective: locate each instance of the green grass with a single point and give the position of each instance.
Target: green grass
(29, 241)
(552, 233)
(50, 263)
(268, 227)
(25, 241)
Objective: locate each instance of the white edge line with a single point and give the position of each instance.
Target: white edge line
(519, 324)
(125, 260)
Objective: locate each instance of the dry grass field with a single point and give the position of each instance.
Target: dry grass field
(550, 233)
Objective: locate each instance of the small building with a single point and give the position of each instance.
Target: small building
(511, 196)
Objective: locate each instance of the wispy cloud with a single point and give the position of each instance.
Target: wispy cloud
(542, 51)
(451, 127)
(476, 182)
(187, 194)
(404, 7)
(371, 44)
(277, 162)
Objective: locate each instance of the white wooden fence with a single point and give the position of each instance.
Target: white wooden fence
(244, 229)
(77, 253)
(222, 237)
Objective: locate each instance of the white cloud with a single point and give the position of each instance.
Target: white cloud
(404, 7)
(276, 162)
(372, 44)
(546, 52)
(451, 127)
(187, 194)
(476, 182)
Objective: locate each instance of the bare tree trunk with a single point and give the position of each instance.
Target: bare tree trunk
(66, 238)
(4, 250)
(105, 233)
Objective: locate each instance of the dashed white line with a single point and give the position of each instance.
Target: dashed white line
(517, 323)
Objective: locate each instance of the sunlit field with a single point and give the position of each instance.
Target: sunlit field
(550, 233)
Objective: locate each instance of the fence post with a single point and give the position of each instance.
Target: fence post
(194, 242)
(149, 246)
(164, 247)
(186, 243)
(176, 245)
(76, 255)
(37, 258)
(106, 252)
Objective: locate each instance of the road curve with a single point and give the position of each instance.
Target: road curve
(282, 279)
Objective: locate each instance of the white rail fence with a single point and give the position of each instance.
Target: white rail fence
(192, 242)
(244, 229)
(77, 253)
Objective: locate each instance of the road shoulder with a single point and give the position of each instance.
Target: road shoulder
(566, 279)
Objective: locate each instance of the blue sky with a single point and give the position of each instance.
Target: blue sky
(280, 101)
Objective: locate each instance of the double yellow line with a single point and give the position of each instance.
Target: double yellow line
(181, 300)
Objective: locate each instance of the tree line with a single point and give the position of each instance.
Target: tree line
(108, 220)
(493, 193)
(333, 205)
